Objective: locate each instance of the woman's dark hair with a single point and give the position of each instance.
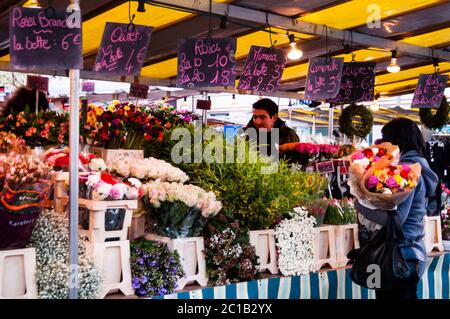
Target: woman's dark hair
(405, 134)
(23, 97)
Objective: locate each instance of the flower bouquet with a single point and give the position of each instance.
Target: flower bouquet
(317, 208)
(120, 126)
(25, 193)
(179, 210)
(306, 153)
(44, 129)
(59, 158)
(377, 180)
(155, 270)
(103, 186)
(148, 169)
(169, 116)
(10, 143)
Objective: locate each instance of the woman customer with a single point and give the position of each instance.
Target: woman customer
(406, 135)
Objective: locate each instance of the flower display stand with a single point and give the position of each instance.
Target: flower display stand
(264, 242)
(18, 274)
(325, 247)
(60, 193)
(433, 234)
(109, 155)
(346, 239)
(100, 228)
(112, 259)
(191, 255)
(137, 228)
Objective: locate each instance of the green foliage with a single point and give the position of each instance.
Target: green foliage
(340, 212)
(176, 219)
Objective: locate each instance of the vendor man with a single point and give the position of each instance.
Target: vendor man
(267, 129)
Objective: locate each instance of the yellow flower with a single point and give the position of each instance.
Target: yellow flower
(91, 119)
(111, 108)
(126, 108)
(115, 102)
(99, 111)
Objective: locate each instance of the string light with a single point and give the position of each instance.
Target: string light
(294, 52)
(393, 67)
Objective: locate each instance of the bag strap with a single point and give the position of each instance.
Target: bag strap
(394, 229)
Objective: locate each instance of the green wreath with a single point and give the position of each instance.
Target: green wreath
(347, 126)
(439, 119)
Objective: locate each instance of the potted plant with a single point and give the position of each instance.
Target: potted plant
(179, 212)
(155, 270)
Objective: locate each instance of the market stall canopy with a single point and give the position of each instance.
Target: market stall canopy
(419, 29)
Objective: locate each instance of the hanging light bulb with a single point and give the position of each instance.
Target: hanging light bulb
(393, 67)
(375, 106)
(294, 52)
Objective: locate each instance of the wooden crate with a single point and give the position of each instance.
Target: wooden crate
(97, 231)
(60, 192)
(137, 228)
(346, 239)
(264, 242)
(325, 247)
(433, 234)
(18, 274)
(112, 259)
(191, 255)
(109, 155)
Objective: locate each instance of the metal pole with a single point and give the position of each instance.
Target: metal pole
(314, 125)
(73, 176)
(330, 122)
(205, 112)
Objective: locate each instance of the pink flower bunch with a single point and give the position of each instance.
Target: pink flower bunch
(316, 149)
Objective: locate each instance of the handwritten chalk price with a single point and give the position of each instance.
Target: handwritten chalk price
(262, 70)
(206, 62)
(122, 51)
(429, 91)
(38, 42)
(324, 78)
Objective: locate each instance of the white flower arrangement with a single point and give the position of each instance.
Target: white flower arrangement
(148, 169)
(97, 165)
(295, 243)
(51, 240)
(191, 195)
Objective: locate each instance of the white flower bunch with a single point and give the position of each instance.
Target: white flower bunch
(295, 243)
(148, 169)
(97, 165)
(191, 195)
(51, 240)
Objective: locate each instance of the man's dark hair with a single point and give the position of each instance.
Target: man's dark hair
(268, 105)
(23, 97)
(405, 134)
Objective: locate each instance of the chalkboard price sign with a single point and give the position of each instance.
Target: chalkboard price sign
(325, 167)
(429, 91)
(123, 49)
(88, 87)
(37, 41)
(206, 62)
(204, 104)
(357, 83)
(324, 78)
(39, 83)
(262, 70)
(139, 90)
